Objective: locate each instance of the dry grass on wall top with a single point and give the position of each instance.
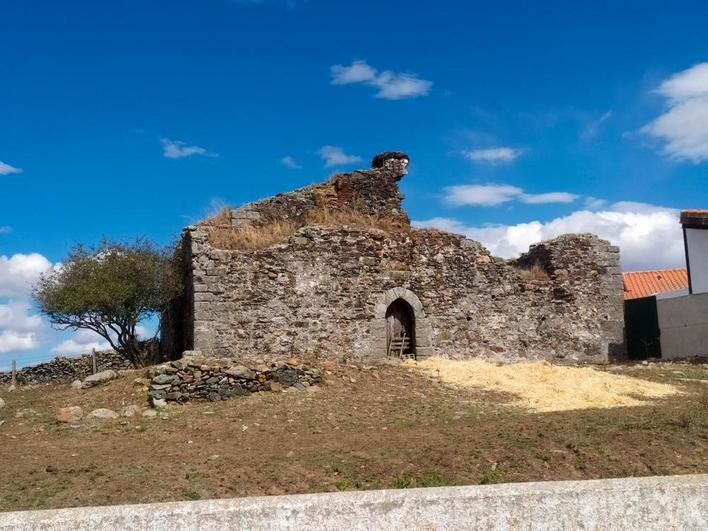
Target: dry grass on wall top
(541, 386)
(254, 237)
(354, 218)
(535, 272)
(222, 217)
(251, 238)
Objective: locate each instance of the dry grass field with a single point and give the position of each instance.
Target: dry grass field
(366, 427)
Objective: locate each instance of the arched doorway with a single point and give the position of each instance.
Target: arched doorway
(400, 329)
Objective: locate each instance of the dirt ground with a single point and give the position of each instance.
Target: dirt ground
(367, 427)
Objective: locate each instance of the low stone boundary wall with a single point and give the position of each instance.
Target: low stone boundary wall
(197, 377)
(65, 369)
(642, 504)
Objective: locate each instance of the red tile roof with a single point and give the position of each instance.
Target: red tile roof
(646, 283)
(694, 217)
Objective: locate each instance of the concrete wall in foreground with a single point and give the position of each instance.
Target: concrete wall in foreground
(661, 503)
(683, 322)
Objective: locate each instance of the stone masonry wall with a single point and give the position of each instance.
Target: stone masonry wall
(325, 292)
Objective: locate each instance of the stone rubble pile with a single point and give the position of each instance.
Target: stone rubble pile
(197, 377)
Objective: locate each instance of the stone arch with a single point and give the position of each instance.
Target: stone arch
(400, 329)
(399, 293)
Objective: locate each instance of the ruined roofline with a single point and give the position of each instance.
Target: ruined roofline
(373, 192)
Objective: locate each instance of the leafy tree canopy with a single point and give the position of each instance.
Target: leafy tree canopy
(110, 289)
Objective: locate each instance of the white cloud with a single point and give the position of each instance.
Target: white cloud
(6, 169)
(19, 272)
(357, 72)
(5, 229)
(595, 203)
(683, 127)
(549, 197)
(71, 347)
(11, 341)
(593, 128)
(290, 162)
(481, 194)
(496, 194)
(17, 327)
(496, 155)
(15, 316)
(336, 156)
(391, 85)
(649, 236)
(82, 342)
(176, 149)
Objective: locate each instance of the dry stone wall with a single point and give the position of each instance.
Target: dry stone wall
(196, 377)
(64, 369)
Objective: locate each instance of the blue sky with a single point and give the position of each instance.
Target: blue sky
(522, 119)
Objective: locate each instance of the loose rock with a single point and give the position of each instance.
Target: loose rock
(158, 403)
(103, 414)
(99, 378)
(130, 411)
(69, 414)
(76, 384)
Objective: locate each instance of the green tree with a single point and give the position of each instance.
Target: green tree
(110, 289)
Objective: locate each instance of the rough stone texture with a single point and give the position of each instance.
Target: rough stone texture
(198, 377)
(632, 504)
(102, 414)
(373, 192)
(99, 378)
(325, 290)
(131, 411)
(64, 369)
(2, 403)
(69, 414)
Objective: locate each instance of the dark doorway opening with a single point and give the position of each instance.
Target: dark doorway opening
(641, 323)
(400, 330)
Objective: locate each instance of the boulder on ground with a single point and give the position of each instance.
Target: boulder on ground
(2, 403)
(149, 413)
(76, 384)
(158, 403)
(103, 414)
(69, 414)
(131, 411)
(144, 382)
(99, 378)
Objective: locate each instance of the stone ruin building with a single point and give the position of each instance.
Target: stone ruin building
(335, 269)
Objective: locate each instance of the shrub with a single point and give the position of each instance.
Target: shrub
(110, 289)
